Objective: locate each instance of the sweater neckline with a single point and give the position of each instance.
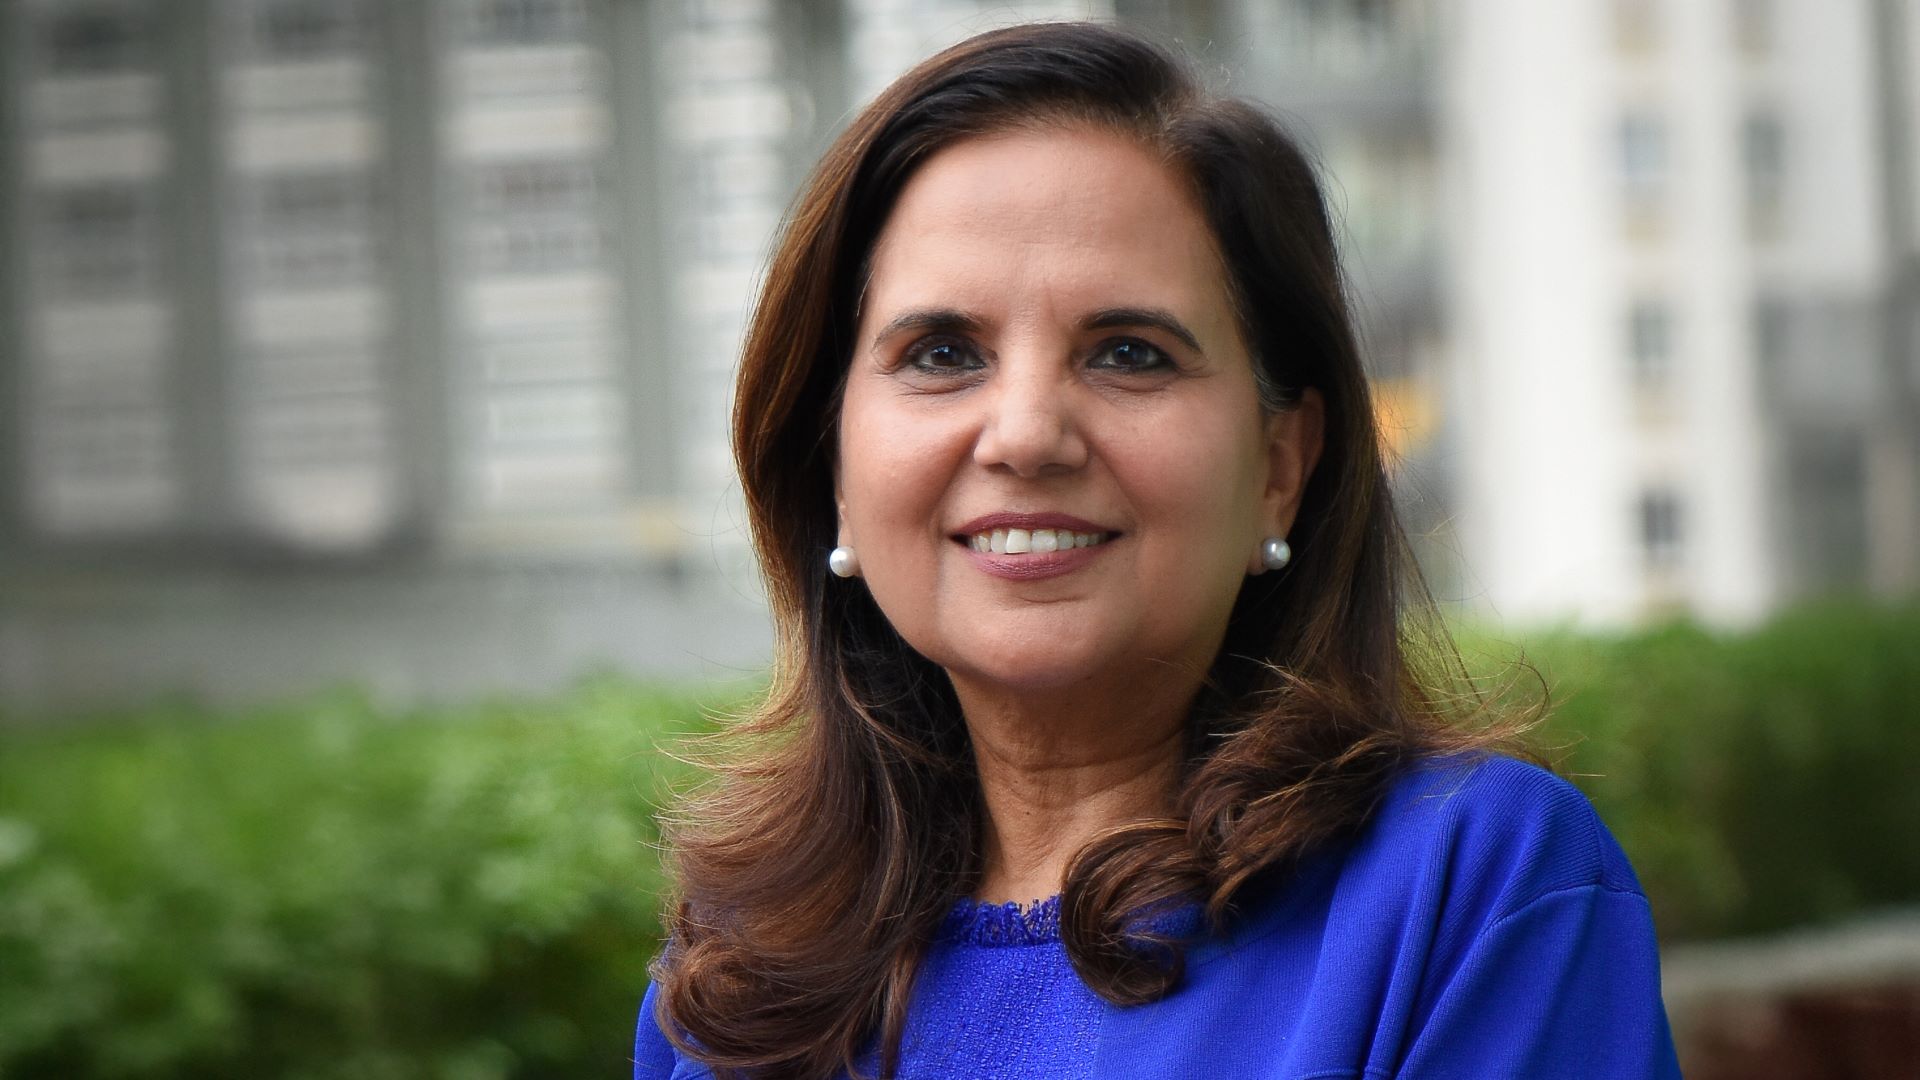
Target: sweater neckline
(981, 922)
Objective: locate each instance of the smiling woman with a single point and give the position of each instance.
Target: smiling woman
(1048, 343)
(1089, 592)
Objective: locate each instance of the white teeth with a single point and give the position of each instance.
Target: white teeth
(1032, 541)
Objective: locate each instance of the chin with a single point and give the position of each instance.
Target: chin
(1028, 670)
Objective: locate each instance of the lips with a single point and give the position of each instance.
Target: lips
(1027, 546)
(1009, 520)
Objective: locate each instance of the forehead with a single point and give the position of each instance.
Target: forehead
(1078, 214)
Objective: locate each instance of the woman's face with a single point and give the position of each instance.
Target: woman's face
(1052, 461)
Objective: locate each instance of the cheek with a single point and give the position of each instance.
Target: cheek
(1201, 501)
(893, 472)
(1207, 482)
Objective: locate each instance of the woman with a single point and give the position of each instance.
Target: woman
(1063, 474)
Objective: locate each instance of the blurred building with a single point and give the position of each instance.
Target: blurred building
(390, 340)
(1682, 369)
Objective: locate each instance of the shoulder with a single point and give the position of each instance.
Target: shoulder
(1454, 844)
(1484, 836)
(1483, 903)
(654, 1058)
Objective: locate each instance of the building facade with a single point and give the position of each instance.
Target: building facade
(440, 299)
(1674, 268)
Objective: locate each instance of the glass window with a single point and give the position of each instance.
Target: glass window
(1643, 152)
(1650, 341)
(524, 22)
(86, 38)
(310, 229)
(1764, 156)
(304, 28)
(542, 247)
(311, 200)
(98, 239)
(1661, 528)
(1636, 25)
(1753, 26)
(1771, 331)
(1643, 158)
(528, 187)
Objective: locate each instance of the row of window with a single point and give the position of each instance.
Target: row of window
(80, 37)
(101, 240)
(1645, 154)
(1651, 333)
(1640, 26)
(1825, 478)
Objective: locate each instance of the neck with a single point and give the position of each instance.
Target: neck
(1055, 771)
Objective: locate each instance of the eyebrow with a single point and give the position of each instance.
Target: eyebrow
(1158, 318)
(953, 320)
(937, 320)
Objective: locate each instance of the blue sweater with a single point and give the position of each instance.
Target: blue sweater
(1483, 925)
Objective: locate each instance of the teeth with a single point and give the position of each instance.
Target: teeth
(1034, 541)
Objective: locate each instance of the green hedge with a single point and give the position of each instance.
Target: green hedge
(324, 890)
(1759, 780)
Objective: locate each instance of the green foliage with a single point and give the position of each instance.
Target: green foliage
(327, 891)
(1759, 780)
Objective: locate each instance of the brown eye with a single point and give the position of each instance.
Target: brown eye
(943, 356)
(1129, 354)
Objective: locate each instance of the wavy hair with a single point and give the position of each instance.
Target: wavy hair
(816, 865)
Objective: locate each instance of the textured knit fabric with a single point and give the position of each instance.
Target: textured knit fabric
(1483, 925)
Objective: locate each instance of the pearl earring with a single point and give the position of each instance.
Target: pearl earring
(843, 562)
(1275, 554)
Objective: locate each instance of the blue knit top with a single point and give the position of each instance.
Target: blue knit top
(1483, 925)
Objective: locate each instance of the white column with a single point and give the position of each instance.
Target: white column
(1538, 404)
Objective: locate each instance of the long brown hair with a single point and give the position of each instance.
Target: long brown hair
(815, 867)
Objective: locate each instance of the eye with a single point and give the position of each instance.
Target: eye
(942, 356)
(1130, 354)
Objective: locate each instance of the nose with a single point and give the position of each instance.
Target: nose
(1031, 428)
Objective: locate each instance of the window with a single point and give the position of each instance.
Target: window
(536, 247)
(1643, 169)
(1372, 16)
(1643, 152)
(1636, 26)
(96, 37)
(310, 200)
(1771, 342)
(1650, 342)
(1764, 157)
(1827, 504)
(99, 239)
(527, 187)
(1753, 26)
(524, 22)
(294, 29)
(310, 229)
(1660, 529)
